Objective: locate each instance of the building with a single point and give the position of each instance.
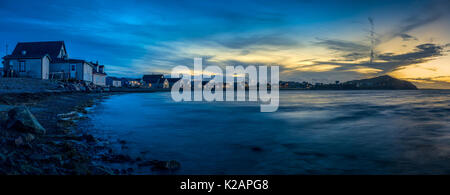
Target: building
(134, 83)
(72, 69)
(155, 81)
(115, 82)
(99, 75)
(172, 81)
(50, 60)
(32, 59)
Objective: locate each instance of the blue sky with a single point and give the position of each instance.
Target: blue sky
(316, 41)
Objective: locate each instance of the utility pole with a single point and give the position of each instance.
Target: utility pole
(372, 40)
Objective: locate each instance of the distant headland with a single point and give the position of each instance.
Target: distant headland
(384, 82)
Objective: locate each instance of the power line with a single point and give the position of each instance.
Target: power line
(372, 40)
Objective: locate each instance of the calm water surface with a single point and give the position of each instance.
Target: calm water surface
(313, 132)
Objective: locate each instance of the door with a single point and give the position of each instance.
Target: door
(73, 71)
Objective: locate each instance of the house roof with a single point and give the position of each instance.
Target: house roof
(37, 49)
(173, 80)
(154, 78)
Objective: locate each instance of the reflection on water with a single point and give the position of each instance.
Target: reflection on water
(313, 132)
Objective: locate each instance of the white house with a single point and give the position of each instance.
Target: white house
(117, 83)
(50, 60)
(99, 75)
(33, 59)
(73, 69)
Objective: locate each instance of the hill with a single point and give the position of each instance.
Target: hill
(381, 82)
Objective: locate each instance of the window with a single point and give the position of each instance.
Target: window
(73, 67)
(22, 66)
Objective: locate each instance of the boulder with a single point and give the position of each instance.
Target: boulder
(3, 119)
(162, 165)
(19, 141)
(75, 87)
(82, 88)
(29, 137)
(21, 119)
(89, 138)
(4, 109)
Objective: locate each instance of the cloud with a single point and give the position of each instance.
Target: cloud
(422, 53)
(341, 45)
(349, 50)
(431, 12)
(407, 37)
(252, 40)
(439, 82)
(388, 62)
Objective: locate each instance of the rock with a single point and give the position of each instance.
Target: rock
(101, 170)
(257, 149)
(82, 88)
(21, 119)
(3, 119)
(117, 158)
(89, 138)
(55, 157)
(29, 137)
(76, 88)
(3, 157)
(4, 109)
(173, 165)
(67, 116)
(19, 141)
(38, 157)
(166, 165)
(148, 163)
(130, 170)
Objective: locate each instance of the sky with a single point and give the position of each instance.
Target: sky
(314, 41)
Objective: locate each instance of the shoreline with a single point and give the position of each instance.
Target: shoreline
(65, 149)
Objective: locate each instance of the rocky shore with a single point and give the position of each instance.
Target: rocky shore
(39, 136)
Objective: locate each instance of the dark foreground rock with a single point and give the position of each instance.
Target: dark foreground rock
(33, 142)
(39, 136)
(161, 165)
(21, 119)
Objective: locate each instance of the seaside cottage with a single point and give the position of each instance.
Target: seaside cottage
(50, 60)
(74, 69)
(32, 59)
(99, 75)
